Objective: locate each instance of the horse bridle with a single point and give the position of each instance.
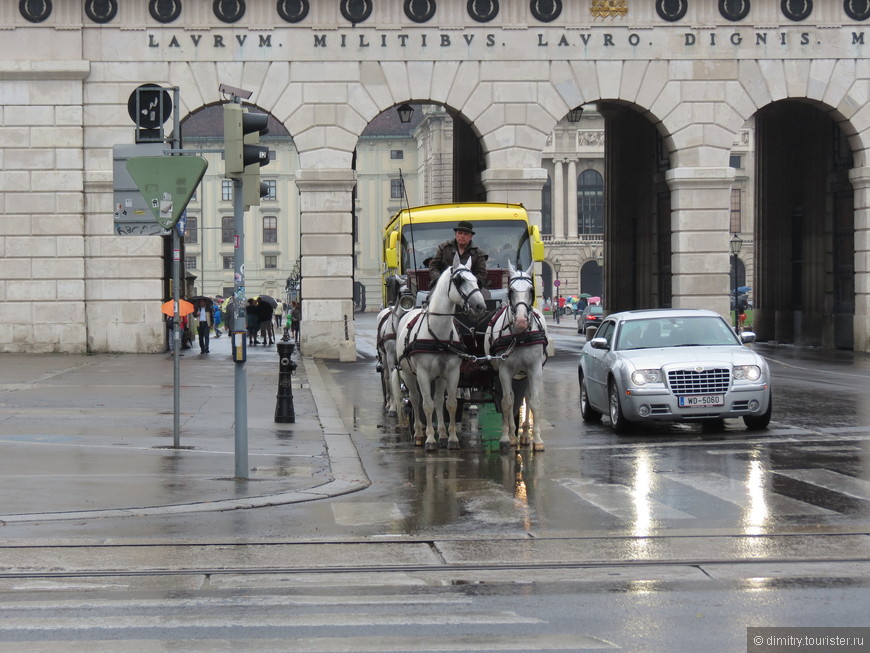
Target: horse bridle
(514, 306)
(456, 279)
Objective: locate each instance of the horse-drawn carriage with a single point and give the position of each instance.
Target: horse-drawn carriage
(462, 343)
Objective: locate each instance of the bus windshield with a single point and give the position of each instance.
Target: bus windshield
(501, 241)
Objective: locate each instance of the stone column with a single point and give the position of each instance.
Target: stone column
(524, 186)
(327, 263)
(517, 186)
(558, 201)
(860, 178)
(572, 199)
(700, 201)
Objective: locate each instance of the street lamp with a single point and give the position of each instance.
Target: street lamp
(575, 114)
(405, 112)
(557, 309)
(735, 244)
(600, 261)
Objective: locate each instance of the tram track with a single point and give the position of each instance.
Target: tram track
(511, 558)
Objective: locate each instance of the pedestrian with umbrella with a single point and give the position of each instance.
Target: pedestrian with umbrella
(204, 323)
(264, 313)
(252, 321)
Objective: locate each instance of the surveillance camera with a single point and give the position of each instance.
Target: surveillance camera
(226, 89)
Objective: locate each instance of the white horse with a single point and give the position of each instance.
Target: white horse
(516, 338)
(388, 322)
(429, 351)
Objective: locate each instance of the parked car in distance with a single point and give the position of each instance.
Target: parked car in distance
(672, 365)
(591, 316)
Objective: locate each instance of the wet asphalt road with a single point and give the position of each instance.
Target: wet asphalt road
(672, 539)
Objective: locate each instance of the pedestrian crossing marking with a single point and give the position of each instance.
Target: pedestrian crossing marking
(739, 493)
(620, 500)
(849, 485)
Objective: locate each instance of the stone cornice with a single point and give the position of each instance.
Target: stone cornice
(45, 70)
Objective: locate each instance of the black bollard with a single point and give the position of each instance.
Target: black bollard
(284, 410)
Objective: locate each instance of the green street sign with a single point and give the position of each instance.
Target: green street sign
(167, 183)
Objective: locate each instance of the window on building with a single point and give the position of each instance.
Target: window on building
(270, 229)
(397, 154)
(272, 192)
(229, 263)
(270, 262)
(736, 161)
(193, 197)
(190, 263)
(228, 229)
(736, 210)
(395, 189)
(191, 236)
(590, 202)
(226, 190)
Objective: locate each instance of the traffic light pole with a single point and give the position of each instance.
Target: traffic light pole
(243, 157)
(239, 325)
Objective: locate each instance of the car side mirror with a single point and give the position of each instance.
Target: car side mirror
(747, 337)
(599, 343)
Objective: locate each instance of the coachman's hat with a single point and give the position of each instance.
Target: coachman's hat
(465, 225)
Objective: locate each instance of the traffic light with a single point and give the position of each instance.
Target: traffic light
(241, 140)
(252, 188)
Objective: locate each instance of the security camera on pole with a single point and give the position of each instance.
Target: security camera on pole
(243, 158)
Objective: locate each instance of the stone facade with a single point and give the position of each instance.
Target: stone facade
(698, 76)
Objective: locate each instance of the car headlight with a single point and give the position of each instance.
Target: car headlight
(747, 372)
(642, 377)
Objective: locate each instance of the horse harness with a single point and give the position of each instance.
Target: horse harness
(505, 341)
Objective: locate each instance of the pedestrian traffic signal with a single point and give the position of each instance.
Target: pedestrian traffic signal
(242, 131)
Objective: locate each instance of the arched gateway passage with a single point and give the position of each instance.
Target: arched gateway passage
(805, 228)
(676, 89)
(637, 235)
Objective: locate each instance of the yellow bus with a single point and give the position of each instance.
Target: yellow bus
(502, 231)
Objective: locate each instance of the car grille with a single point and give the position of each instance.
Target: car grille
(705, 382)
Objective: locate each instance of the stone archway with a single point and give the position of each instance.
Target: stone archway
(805, 228)
(637, 245)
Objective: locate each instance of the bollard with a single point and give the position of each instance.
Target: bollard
(284, 411)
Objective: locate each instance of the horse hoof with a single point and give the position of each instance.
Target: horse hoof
(430, 446)
(442, 444)
(504, 447)
(453, 444)
(539, 446)
(418, 442)
(391, 413)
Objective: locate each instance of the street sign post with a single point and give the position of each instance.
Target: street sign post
(167, 183)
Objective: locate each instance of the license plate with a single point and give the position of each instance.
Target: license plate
(700, 401)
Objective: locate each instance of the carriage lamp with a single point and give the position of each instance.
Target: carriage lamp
(575, 114)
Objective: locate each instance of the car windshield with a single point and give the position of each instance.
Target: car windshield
(699, 331)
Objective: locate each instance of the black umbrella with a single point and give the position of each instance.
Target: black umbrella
(269, 300)
(195, 300)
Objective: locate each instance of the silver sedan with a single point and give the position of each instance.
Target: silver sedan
(672, 365)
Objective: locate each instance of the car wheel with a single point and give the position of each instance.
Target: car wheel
(617, 419)
(759, 422)
(587, 412)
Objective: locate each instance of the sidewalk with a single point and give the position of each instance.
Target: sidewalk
(92, 436)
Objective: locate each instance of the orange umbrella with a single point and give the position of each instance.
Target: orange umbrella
(184, 307)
